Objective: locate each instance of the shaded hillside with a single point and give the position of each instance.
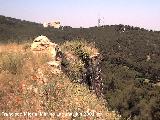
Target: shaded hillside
(16, 30)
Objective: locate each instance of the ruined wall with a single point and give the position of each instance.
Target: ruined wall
(92, 76)
(80, 62)
(83, 65)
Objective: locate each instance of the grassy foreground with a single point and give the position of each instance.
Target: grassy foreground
(28, 85)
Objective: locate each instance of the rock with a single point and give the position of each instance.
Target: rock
(42, 39)
(43, 45)
(55, 63)
(40, 43)
(148, 58)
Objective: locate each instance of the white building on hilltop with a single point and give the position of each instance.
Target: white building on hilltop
(45, 24)
(54, 24)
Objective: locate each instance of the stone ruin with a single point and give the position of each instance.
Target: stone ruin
(42, 44)
(92, 74)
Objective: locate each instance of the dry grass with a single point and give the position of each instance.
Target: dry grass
(27, 84)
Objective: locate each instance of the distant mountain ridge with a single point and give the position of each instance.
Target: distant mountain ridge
(17, 30)
(123, 44)
(10, 20)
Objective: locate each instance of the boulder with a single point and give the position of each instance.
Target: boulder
(42, 45)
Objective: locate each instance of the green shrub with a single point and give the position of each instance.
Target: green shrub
(135, 99)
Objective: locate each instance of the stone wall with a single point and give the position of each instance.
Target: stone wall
(92, 76)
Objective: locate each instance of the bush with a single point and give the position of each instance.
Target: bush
(12, 62)
(132, 97)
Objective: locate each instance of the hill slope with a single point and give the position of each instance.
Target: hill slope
(121, 44)
(29, 84)
(131, 66)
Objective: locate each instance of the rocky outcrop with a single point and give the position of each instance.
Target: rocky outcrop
(82, 63)
(43, 45)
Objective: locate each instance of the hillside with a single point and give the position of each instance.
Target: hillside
(31, 83)
(130, 64)
(121, 44)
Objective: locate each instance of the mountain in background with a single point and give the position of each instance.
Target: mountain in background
(123, 44)
(131, 61)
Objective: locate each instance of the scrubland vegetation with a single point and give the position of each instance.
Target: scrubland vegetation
(130, 78)
(23, 88)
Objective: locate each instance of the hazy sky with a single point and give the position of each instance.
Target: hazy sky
(76, 13)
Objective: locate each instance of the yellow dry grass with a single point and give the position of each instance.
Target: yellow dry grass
(29, 90)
